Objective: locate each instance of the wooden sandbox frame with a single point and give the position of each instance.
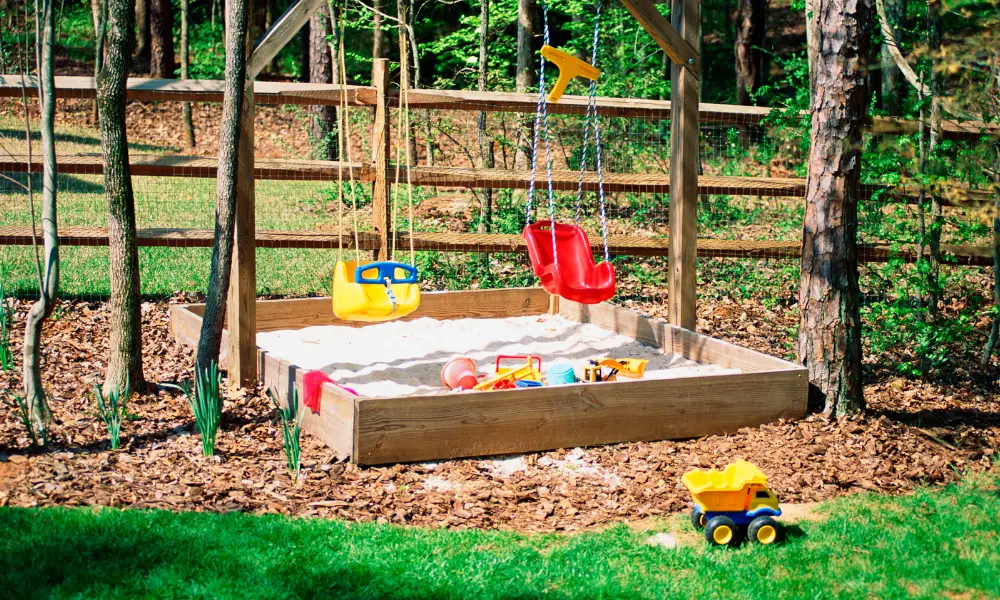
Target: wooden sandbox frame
(449, 425)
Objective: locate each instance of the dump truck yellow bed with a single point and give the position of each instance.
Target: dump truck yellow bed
(726, 490)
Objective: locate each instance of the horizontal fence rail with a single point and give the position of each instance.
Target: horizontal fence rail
(279, 92)
(618, 245)
(473, 178)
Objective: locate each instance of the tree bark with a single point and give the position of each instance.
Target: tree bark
(991, 341)
(98, 10)
(525, 77)
(412, 71)
(830, 321)
(937, 216)
(142, 42)
(485, 140)
(161, 25)
(125, 360)
(189, 141)
(210, 338)
(378, 36)
(751, 18)
(48, 269)
(322, 118)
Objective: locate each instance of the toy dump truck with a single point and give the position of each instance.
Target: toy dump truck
(734, 503)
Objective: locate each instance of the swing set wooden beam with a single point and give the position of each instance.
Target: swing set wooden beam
(678, 46)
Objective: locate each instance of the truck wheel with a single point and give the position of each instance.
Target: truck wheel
(697, 518)
(721, 531)
(765, 530)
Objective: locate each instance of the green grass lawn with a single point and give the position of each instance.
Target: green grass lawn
(933, 543)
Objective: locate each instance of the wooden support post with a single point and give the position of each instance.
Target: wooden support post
(241, 310)
(381, 212)
(685, 16)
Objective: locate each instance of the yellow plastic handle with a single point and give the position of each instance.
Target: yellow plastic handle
(569, 67)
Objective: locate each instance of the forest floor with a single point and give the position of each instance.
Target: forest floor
(916, 432)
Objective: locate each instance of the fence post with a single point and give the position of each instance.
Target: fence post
(685, 16)
(242, 304)
(381, 213)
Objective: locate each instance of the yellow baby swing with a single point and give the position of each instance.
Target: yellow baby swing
(384, 290)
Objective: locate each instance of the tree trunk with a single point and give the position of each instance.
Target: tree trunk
(98, 10)
(751, 18)
(225, 193)
(48, 270)
(186, 72)
(125, 360)
(525, 77)
(485, 141)
(937, 217)
(411, 70)
(322, 118)
(891, 90)
(142, 42)
(830, 323)
(161, 25)
(378, 36)
(991, 342)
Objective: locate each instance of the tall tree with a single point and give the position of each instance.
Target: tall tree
(485, 140)
(378, 36)
(143, 41)
(225, 191)
(323, 118)
(125, 360)
(48, 265)
(98, 10)
(830, 323)
(186, 71)
(161, 25)
(751, 19)
(525, 76)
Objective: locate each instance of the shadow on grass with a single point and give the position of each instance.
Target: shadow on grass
(67, 184)
(82, 140)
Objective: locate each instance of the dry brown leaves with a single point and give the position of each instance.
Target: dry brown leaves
(161, 466)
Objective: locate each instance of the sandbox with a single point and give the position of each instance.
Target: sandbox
(694, 385)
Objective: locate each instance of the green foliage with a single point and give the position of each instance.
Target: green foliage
(930, 544)
(205, 400)
(112, 411)
(6, 357)
(290, 418)
(38, 437)
(898, 325)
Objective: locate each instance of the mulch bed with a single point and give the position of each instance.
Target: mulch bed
(916, 433)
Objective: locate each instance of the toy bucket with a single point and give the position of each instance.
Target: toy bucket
(459, 373)
(561, 373)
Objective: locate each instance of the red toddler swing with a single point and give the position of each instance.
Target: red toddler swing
(561, 255)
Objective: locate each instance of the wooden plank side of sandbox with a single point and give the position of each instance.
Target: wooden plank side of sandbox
(273, 315)
(676, 340)
(390, 430)
(334, 424)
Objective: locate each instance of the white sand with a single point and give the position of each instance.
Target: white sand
(397, 358)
